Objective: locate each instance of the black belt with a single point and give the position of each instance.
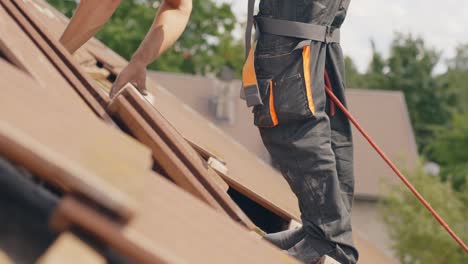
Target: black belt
(295, 29)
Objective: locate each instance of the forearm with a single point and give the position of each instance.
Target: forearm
(88, 19)
(168, 26)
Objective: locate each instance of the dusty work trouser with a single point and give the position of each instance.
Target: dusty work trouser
(314, 154)
(308, 140)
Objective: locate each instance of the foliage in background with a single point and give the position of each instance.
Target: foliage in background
(65, 6)
(409, 69)
(455, 79)
(438, 107)
(437, 104)
(206, 46)
(418, 237)
(450, 149)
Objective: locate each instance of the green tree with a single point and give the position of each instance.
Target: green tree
(418, 238)
(449, 149)
(66, 7)
(409, 68)
(375, 78)
(449, 145)
(455, 80)
(437, 104)
(205, 47)
(354, 79)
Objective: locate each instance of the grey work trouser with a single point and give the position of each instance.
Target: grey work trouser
(313, 150)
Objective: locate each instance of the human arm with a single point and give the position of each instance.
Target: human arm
(88, 19)
(167, 27)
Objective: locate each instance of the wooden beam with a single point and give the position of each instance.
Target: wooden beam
(219, 168)
(206, 154)
(186, 153)
(121, 109)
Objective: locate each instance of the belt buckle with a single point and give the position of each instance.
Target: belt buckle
(329, 34)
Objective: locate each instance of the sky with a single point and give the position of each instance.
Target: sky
(442, 24)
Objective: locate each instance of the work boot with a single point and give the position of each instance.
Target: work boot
(286, 239)
(310, 250)
(327, 260)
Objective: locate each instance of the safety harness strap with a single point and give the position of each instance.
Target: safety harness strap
(298, 29)
(250, 23)
(345, 4)
(250, 90)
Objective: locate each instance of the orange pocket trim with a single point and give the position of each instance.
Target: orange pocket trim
(273, 115)
(307, 78)
(249, 76)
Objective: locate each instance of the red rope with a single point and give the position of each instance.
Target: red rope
(439, 219)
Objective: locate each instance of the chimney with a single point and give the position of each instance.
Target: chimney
(224, 100)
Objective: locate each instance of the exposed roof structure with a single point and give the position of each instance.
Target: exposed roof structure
(124, 173)
(383, 113)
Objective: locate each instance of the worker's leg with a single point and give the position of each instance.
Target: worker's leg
(342, 146)
(286, 239)
(304, 154)
(88, 19)
(342, 141)
(302, 147)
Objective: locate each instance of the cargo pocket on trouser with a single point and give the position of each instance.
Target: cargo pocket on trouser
(287, 96)
(265, 115)
(291, 99)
